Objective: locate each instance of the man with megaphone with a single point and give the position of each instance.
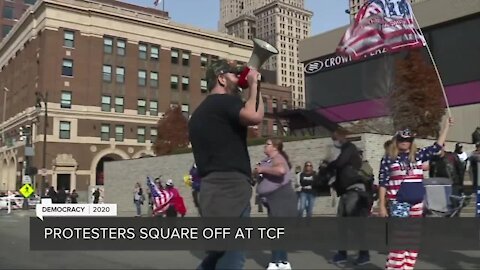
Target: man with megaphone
(218, 134)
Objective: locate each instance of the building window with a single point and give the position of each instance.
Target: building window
(153, 107)
(64, 130)
(275, 129)
(107, 73)
(68, 39)
(153, 79)
(265, 104)
(185, 110)
(119, 133)
(66, 100)
(121, 47)
(274, 104)
(153, 135)
(7, 12)
(105, 132)
(141, 134)
(284, 105)
(154, 51)
(286, 130)
(203, 85)
(174, 57)
(106, 103)
(6, 29)
(185, 83)
(185, 58)
(203, 60)
(142, 51)
(119, 104)
(120, 75)
(67, 67)
(142, 78)
(107, 45)
(174, 82)
(141, 106)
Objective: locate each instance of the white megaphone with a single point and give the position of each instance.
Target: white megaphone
(262, 50)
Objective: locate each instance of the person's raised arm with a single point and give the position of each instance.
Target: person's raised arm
(249, 116)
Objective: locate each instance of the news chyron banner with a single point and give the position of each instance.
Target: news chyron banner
(75, 210)
(97, 227)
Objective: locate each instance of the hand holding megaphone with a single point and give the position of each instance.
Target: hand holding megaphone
(253, 77)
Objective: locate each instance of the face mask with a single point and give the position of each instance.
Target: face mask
(337, 144)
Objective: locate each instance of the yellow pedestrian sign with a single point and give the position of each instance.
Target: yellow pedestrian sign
(26, 190)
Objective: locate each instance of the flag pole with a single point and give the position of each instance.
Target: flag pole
(434, 65)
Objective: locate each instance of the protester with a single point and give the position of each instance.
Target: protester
(463, 156)
(276, 191)
(405, 198)
(138, 198)
(307, 193)
(74, 196)
(350, 187)
(218, 134)
(195, 178)
(177, 204)
(448, 165)
(474, 160)
(476, 136)
(52, 194)
(96, 196)
(61, 196)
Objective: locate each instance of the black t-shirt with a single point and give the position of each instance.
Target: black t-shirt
(219, 140)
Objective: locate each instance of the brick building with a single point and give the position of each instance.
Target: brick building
(12, 10)
(107, 71)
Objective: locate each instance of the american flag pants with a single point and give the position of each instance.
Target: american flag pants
(405, 259)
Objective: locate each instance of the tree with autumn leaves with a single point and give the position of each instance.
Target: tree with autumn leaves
(173, 132)
(416, 101)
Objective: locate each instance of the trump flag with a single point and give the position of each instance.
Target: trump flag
(386, 25)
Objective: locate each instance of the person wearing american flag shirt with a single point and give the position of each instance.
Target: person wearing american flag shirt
(161, 198)
(401, 188)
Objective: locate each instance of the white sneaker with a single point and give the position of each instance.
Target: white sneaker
(272, 266)
(285, 266)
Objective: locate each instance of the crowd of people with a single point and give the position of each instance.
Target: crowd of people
(218, 131)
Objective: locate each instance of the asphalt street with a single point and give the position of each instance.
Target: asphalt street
(15, 254)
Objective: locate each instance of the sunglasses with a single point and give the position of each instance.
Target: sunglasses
(234, 70)
(400, 139)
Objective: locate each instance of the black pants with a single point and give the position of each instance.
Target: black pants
(354, 203)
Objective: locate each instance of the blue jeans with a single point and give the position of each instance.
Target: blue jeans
(230, 259)
(279, 256)
(306, 202)
(138, 206)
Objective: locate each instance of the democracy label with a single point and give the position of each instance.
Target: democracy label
(75, 210)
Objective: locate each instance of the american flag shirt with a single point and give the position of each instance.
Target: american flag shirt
(394, 172)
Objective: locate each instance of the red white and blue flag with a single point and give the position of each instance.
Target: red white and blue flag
(161, 197)
(381, 25)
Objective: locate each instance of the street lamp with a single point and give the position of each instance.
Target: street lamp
(5, 91)
(43, 99)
